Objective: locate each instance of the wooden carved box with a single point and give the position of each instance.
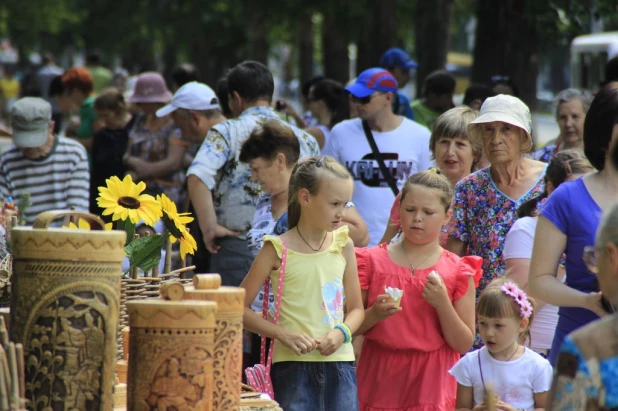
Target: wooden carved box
(227, 360)
(64, 310)
(171, 355)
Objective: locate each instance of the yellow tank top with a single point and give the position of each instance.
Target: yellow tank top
(313, 296)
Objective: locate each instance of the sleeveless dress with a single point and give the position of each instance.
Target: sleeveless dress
(405, 360)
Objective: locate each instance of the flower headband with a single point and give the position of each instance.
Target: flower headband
(512, 290)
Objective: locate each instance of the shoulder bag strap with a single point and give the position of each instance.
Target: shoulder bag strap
(267, 361)
(378, 157)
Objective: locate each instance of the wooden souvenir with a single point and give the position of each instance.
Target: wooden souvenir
(172, 290)
(206, 281)
(171, 355)
(64, 310)
(228, 343)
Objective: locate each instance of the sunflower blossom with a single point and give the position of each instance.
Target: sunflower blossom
(176, 223)
(124, 200)
(85, 225)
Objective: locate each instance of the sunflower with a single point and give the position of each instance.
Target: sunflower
(187, 243)
(176, 223)
(124, 200)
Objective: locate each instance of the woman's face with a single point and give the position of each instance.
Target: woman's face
(315, 106)
(454, 157)
(503, 142)
(272, 175)
(149, 108)
(571, 117)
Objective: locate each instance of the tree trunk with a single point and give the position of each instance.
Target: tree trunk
(335, 49)
(380, 35)
(258, 32)
(433, 34)
(507, 45)
(305, 46)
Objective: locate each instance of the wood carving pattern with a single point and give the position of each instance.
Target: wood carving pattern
(227, 363)
(69, 351)
(170, 369)
(66, 316)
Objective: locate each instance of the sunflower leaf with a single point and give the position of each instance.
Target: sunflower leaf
(128, 227)
(145, 252)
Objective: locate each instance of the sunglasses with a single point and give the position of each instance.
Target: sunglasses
(364, 100)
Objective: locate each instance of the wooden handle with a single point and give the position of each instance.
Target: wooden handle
(206, 281)
(44, 219)
(172, 290)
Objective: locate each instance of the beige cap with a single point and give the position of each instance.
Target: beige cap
(507, 109)
(30, 119)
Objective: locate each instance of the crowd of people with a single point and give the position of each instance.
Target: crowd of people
(396, 255)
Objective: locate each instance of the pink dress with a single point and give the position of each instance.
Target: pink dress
(405, 360)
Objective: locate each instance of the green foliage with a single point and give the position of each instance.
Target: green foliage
(145, 252)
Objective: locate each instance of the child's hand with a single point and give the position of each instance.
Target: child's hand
(505, 407)
(299, 343)
(330, 342)
(384, 307)
(435, 292)
(479, 407)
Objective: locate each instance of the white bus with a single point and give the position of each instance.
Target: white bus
(589, 56)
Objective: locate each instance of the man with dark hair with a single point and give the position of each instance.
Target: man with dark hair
(183, 74)
(437, 97)
(399, 63)
(219, 184)
(101, 75)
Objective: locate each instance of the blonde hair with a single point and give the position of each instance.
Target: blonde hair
(452, 124)
(430, 179)
(494, 303)
(309, 173)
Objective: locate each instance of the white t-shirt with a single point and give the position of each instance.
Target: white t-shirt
(515, 382)
(405, 151)
(518, 244)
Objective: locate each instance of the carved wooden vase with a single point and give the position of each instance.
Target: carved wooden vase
(64, 310)
(228, 343)
(171, 355)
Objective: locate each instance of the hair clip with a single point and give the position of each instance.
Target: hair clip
(512, 290)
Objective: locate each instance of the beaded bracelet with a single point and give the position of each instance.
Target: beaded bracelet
(347, 333)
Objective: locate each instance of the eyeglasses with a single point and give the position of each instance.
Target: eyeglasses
(590, 259)
(364, 100)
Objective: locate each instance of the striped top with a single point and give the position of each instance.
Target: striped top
(58, 181)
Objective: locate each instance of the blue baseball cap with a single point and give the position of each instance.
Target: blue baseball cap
(396, 57)
(372, 80)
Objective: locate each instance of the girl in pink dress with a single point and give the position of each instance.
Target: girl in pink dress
(411, 344)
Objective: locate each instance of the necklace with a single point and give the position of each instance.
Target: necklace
(307, 242)
(514, 352)
(412, 267)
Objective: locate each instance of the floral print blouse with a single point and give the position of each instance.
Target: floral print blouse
(218, 166)
(546, 153)
(482, 216)
(586, 373)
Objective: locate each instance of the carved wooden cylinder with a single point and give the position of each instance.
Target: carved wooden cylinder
(171, 355)
(64, 310)
(227, 358)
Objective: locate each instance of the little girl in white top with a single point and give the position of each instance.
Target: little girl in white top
(520, 377)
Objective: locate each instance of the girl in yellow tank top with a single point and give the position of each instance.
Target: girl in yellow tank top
(321, 305)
